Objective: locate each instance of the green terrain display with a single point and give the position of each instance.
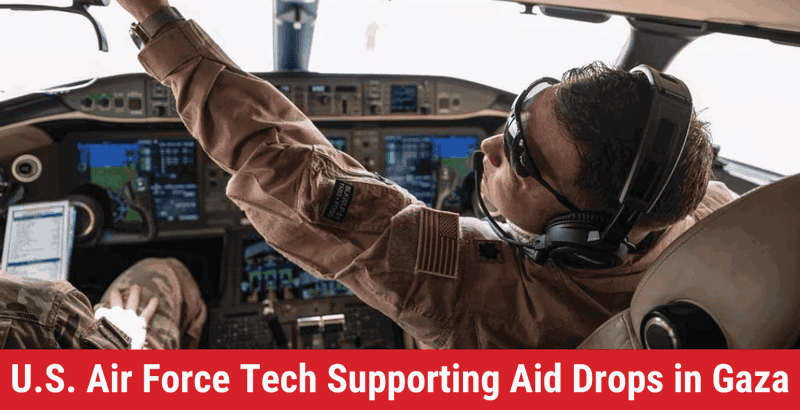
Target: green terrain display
(115, 178)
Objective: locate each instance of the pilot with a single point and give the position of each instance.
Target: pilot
(155, 304)
(450, 281)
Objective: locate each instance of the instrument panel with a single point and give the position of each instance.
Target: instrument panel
(89, 143)
(418, 131)
(319, 96)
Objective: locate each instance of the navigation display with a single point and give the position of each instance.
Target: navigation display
(412, 161)
(168, 164)
(266, 273)
(404, 98)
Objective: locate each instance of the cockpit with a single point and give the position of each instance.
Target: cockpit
(91, 141)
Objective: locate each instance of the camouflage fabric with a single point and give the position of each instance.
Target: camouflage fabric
(53, 314)
(181, 314)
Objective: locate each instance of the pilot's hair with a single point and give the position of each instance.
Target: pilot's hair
(604, 110)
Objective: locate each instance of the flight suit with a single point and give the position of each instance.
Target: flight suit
(53, 314)
(447, 280)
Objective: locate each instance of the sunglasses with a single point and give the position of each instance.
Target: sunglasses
(516, 149)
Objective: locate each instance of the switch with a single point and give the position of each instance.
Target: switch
(158, 111)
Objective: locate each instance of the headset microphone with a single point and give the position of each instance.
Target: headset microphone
(525, 247)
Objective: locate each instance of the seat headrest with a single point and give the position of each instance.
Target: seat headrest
(740, 265)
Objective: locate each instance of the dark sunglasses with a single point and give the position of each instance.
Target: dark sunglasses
(516, 149)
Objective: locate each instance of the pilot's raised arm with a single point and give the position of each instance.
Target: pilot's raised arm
(449, 281)
(319, 207)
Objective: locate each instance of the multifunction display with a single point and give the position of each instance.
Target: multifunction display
(167, 164)
(268, 274)
(404, 98)
(415, 162)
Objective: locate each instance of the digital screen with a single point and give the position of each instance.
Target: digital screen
(38, 240)
(404, 98)
(318, 88)
(339, 143)
(412, 161)
(168, 164)
(265, 271)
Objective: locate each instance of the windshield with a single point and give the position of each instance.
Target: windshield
(54, 48)
(748, 92)
(742, 91)
(488, 42)
(484, 41)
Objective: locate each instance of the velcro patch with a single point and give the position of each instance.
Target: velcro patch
(337, 206)
(489, 252)
(437, 253)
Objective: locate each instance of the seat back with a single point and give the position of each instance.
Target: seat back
(733, 276)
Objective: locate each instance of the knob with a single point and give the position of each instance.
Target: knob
(681, 325)
(86, 102)
(104, 102)
(26, 168)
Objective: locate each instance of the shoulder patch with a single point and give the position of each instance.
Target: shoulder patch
(437, 253)
(488, 252)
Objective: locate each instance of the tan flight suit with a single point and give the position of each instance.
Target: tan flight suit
(447, 280)
(53, 314)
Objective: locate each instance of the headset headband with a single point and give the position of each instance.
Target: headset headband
(664, 136)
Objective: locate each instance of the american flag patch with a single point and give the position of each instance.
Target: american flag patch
(438, 243)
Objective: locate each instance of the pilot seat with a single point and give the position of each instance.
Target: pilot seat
(731, 281)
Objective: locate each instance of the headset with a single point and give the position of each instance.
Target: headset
(594, 240)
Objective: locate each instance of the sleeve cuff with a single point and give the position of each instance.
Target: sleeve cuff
(173, 47)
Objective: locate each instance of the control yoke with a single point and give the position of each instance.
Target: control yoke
(137, 195)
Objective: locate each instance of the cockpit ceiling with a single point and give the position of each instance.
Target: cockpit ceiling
(777, 15)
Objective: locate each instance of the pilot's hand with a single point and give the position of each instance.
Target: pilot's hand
(141, 9)
(124, 315)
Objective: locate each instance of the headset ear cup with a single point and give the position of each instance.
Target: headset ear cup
(567, 241)
(591, 220)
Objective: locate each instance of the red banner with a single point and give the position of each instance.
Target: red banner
(366, 379)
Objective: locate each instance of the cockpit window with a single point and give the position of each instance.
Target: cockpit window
(485, 41)
(747, 89)
(45, 49)
(744, 87)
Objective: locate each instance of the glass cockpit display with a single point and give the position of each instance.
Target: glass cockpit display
(404, 98)
(268, 274)
(167, 164)
(423, 164)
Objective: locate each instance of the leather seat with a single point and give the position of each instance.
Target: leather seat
(730, 281)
